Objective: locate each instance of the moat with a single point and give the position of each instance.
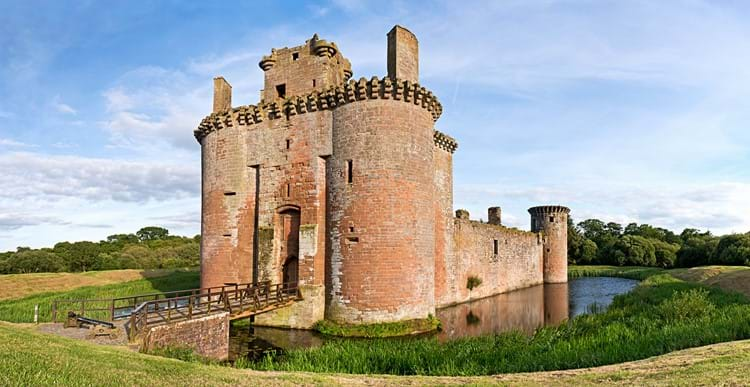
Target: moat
(521, 310)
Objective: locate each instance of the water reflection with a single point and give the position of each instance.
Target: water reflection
(530, 308)
(521, 310)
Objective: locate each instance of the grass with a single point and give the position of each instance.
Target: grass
(632, 272)
(28, 358)
(21, 285)
(22, 309)
(400, 328)
(661, 315)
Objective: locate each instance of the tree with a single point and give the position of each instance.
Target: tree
(733, 249)
(83, 256)
(36, 261)
(152, 233)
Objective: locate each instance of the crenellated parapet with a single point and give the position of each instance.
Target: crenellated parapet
(444, 141)
(541, 210)
(349, 92)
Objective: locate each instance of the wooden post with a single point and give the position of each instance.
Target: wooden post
(36, 314)
(54, 311)
(190, 307)
(112, 311)
(83, 307)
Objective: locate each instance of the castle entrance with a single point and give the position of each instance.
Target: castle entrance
(288, 224)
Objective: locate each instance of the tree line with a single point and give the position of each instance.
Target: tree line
(149, 248)
(593, 242)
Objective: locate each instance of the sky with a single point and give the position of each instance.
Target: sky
(625, 111)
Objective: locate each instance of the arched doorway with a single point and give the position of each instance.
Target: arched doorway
(287, 225)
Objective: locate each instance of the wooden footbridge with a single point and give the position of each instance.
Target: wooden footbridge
(141, 312)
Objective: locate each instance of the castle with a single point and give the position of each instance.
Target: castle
(345, 187)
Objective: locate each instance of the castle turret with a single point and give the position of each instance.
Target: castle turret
(553, 222)
(494, 215)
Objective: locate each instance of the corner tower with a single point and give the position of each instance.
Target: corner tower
(553, 222)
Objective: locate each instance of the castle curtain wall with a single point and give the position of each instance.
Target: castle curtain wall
(517, 264)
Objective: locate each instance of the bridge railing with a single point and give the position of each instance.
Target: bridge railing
(236, 299)
(112, 309)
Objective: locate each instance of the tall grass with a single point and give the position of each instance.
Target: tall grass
(22, 310)
(632, 272)
(661, 315)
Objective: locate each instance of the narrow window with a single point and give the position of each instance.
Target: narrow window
(281, 90)
(496, 246)
(228, 193)
(313, 83)
(351, 229)
(551, 219)
(288, 143)
(295, 55)
(288, 190)
(349, 174)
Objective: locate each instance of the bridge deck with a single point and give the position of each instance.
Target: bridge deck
(239, 300)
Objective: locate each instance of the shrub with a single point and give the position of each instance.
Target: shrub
(473, 282)
(687, 305)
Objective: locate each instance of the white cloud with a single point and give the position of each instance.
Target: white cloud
(39, 177)
(6, 142)
(718, 207)
(62, 107)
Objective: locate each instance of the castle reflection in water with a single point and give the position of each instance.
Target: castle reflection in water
(524, 309)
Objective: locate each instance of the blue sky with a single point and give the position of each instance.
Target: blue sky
(628, 111)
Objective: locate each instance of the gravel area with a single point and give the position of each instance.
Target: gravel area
(88, 333)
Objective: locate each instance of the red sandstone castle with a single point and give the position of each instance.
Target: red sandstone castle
(344, 187)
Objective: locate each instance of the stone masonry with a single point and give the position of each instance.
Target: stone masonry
(344, 187)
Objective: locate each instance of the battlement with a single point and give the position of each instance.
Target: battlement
(352, 91)
(445, 142)
(553, 209)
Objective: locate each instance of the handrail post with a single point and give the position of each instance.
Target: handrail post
(54, 311)
(190, 308)
(112, 311)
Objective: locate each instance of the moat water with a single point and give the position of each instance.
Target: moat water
(521, 310)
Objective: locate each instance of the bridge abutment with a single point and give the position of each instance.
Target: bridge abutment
(302, 314)
(208, 336)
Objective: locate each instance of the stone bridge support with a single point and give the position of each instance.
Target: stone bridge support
(208, 336)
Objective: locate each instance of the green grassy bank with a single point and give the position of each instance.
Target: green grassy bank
(28, 358)
(22, 309)
(661, 315)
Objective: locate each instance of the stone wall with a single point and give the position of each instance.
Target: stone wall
(517, 264)
(302, 314)
(207, 336)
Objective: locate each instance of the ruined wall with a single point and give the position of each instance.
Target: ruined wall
(207, 336)
(517, 264)
(382, 238)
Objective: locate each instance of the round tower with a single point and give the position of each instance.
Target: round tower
(382, 236)
(552, 221)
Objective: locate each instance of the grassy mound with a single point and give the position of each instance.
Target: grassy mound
(22, 310)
